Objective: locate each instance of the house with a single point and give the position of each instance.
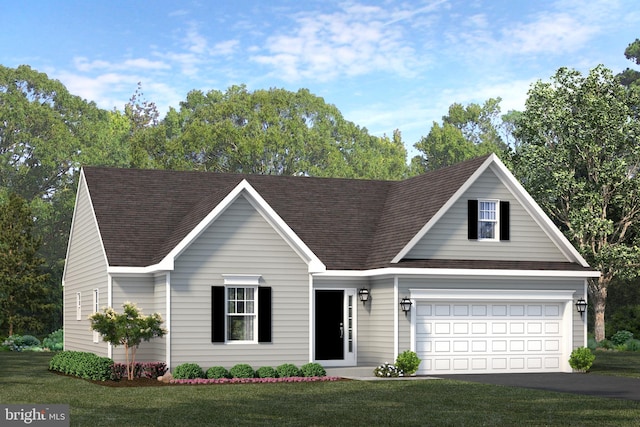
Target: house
(268, 270)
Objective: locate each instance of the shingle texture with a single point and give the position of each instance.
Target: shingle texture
(348, 224)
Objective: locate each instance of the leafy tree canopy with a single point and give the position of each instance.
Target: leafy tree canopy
(466, 132)
(24, 297)
(271, 131)
(579, 160)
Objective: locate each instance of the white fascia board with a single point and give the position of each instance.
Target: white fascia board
(492, 294)
(458, 272)
(82, 186)
(435, 218)
(314, 263)
(536, 212)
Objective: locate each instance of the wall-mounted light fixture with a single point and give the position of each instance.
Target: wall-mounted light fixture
(581, 306)
(405, 304)
(363, 294)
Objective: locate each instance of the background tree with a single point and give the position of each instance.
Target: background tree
(128, 329)
(579, 158)
(466, 132)
(631, 77)
(46, 134)
(271, 132)
(24, 295)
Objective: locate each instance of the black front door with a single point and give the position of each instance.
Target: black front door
(330, 328)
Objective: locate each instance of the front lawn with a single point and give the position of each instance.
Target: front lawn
(618, 363)
(24, 378)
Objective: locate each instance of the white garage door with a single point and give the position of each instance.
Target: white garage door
(455, 337)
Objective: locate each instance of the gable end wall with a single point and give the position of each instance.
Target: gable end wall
(447, 239)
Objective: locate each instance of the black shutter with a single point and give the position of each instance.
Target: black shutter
(264, 314)
(217, 314)
(472, 219)
(504, 221)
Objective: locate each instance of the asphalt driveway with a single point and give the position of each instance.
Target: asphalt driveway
(589, 384)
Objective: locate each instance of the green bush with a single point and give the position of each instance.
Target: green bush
(22, 343)
(313, 370)
(624, 318)
(242, 370)
(606, 344)
(81, 364)
(287, 370)
(632, 345)
(54, 341)
(217, 372)
(592, 344)
(581, 359)
(621, 337)
(188, 371)
(408, 362)
(266, 372)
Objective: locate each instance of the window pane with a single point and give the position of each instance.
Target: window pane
(240, 307)
(231, 307)
(240, 328)
(249, 307)
(231, 293)
(240, 293)
(487, 230)
(249, 293)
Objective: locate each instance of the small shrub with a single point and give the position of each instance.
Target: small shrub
(632, 345)
(592, 344)
(54, 341)
(288, 370)
(313, 370)
(83, 365)
(408, 362)
(21, 343)
(606, 344)
(621, 337)
(386, 370)
(140, 370)
(217, 372)
(581, 359)
(266, 372)
(188, 371)
(242, 370)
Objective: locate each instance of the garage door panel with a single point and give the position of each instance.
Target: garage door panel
(491, 337)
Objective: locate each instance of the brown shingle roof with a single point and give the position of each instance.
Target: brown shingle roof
(348, 224)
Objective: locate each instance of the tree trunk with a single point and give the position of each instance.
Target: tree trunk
(598, 291)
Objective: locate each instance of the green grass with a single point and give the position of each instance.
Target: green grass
(24, 378)
(617, 363)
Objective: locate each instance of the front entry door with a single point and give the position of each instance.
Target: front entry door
(334, 326)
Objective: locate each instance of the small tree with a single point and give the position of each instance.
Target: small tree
(128, 329)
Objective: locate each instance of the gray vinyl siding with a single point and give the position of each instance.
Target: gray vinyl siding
(140, 290)
(576, 285)
(85, 270)
(375, 325)
(240, 241)
(447, 239)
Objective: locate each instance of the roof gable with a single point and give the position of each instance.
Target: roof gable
(147, 217)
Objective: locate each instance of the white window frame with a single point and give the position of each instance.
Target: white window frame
(229, 314)
(78, 306)
(495, 221)
(241, 281)
(96, 308)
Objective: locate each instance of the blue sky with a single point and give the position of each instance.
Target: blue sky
(385, 64)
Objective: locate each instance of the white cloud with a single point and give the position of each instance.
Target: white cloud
(355, 40)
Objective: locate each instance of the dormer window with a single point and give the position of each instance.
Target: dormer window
(488, 220)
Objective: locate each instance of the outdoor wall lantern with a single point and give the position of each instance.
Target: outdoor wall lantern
(405, 304)
(363, 294)
(581, 305)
